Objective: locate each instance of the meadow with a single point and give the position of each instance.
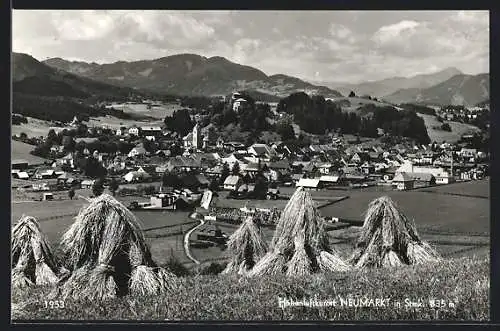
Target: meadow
(21, 151)
(439, 136)
(455, 290)
(456, 225)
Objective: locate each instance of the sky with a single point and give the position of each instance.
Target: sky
(322, 46)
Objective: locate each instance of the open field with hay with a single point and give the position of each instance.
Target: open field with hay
(462, 284)
(112, 263)
(456, 225)
(437, 135)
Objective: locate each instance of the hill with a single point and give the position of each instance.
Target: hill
(390, 85)
(438, 135)
(190, 74)
(36, 78)
(466, 90)
(43, 92)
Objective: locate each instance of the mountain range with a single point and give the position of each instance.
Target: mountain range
(190, 74)
(466, 90)
(384, 87)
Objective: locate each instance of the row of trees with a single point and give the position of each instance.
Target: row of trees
(317, 115)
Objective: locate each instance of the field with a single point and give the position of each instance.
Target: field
(357, 102)
(455, 225)
(20, 150)
(37, 128)
(159, 112)
(457, 129)
(460, 287)
(458, 226)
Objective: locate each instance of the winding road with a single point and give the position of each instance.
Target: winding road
(186, 241)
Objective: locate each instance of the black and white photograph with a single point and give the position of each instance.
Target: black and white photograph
(250, 165)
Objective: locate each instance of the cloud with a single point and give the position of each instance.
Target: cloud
(320, 45)
(389, 33)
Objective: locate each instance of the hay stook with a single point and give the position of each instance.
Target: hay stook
(299, 242)
(33, 262)
(389, 239)
(246, 246)
(108, 255)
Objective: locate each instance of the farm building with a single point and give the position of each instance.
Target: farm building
(87, 184)
(162, 200)
(444, 178)
(19, 164)
(329, 180)
(309, 183)
(135, 176)
(20, 174)
(422, 179)
(403, 182)
(232, 183)
(154, 131)
(44, 173)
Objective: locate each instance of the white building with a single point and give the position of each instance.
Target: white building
(232, 183)
(239, 104)
(133, 131)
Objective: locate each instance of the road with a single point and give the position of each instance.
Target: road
(186, 242)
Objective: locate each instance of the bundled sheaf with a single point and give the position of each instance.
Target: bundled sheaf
(33, 262)
(107, 253)
(300, 244)
(389, 239)
(246, 246)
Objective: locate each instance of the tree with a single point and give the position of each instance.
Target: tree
(214, 185)
(286, 131)
(52, 136)
(68, 143)
(446, 127)
(98, 187)
(236, 168)
(180, 122)
(113, 186)
(225, 171)
(352, 94)
(261, 186)
(71, 193)
(93, 168)
(23, 136)
(170, 179)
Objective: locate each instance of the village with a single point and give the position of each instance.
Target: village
(227, 165)
(206, 161)
(159, 170)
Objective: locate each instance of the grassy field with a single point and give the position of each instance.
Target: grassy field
(479, 188)
(37, 128)
(460, 286)
(455, 225)
(20, 150)
(159, 112)
(457, 129)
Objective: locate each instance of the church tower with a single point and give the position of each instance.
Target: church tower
(196, 137)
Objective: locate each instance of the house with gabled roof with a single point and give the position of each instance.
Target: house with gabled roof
(261, 151)
(232, 182)
(403, 181)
